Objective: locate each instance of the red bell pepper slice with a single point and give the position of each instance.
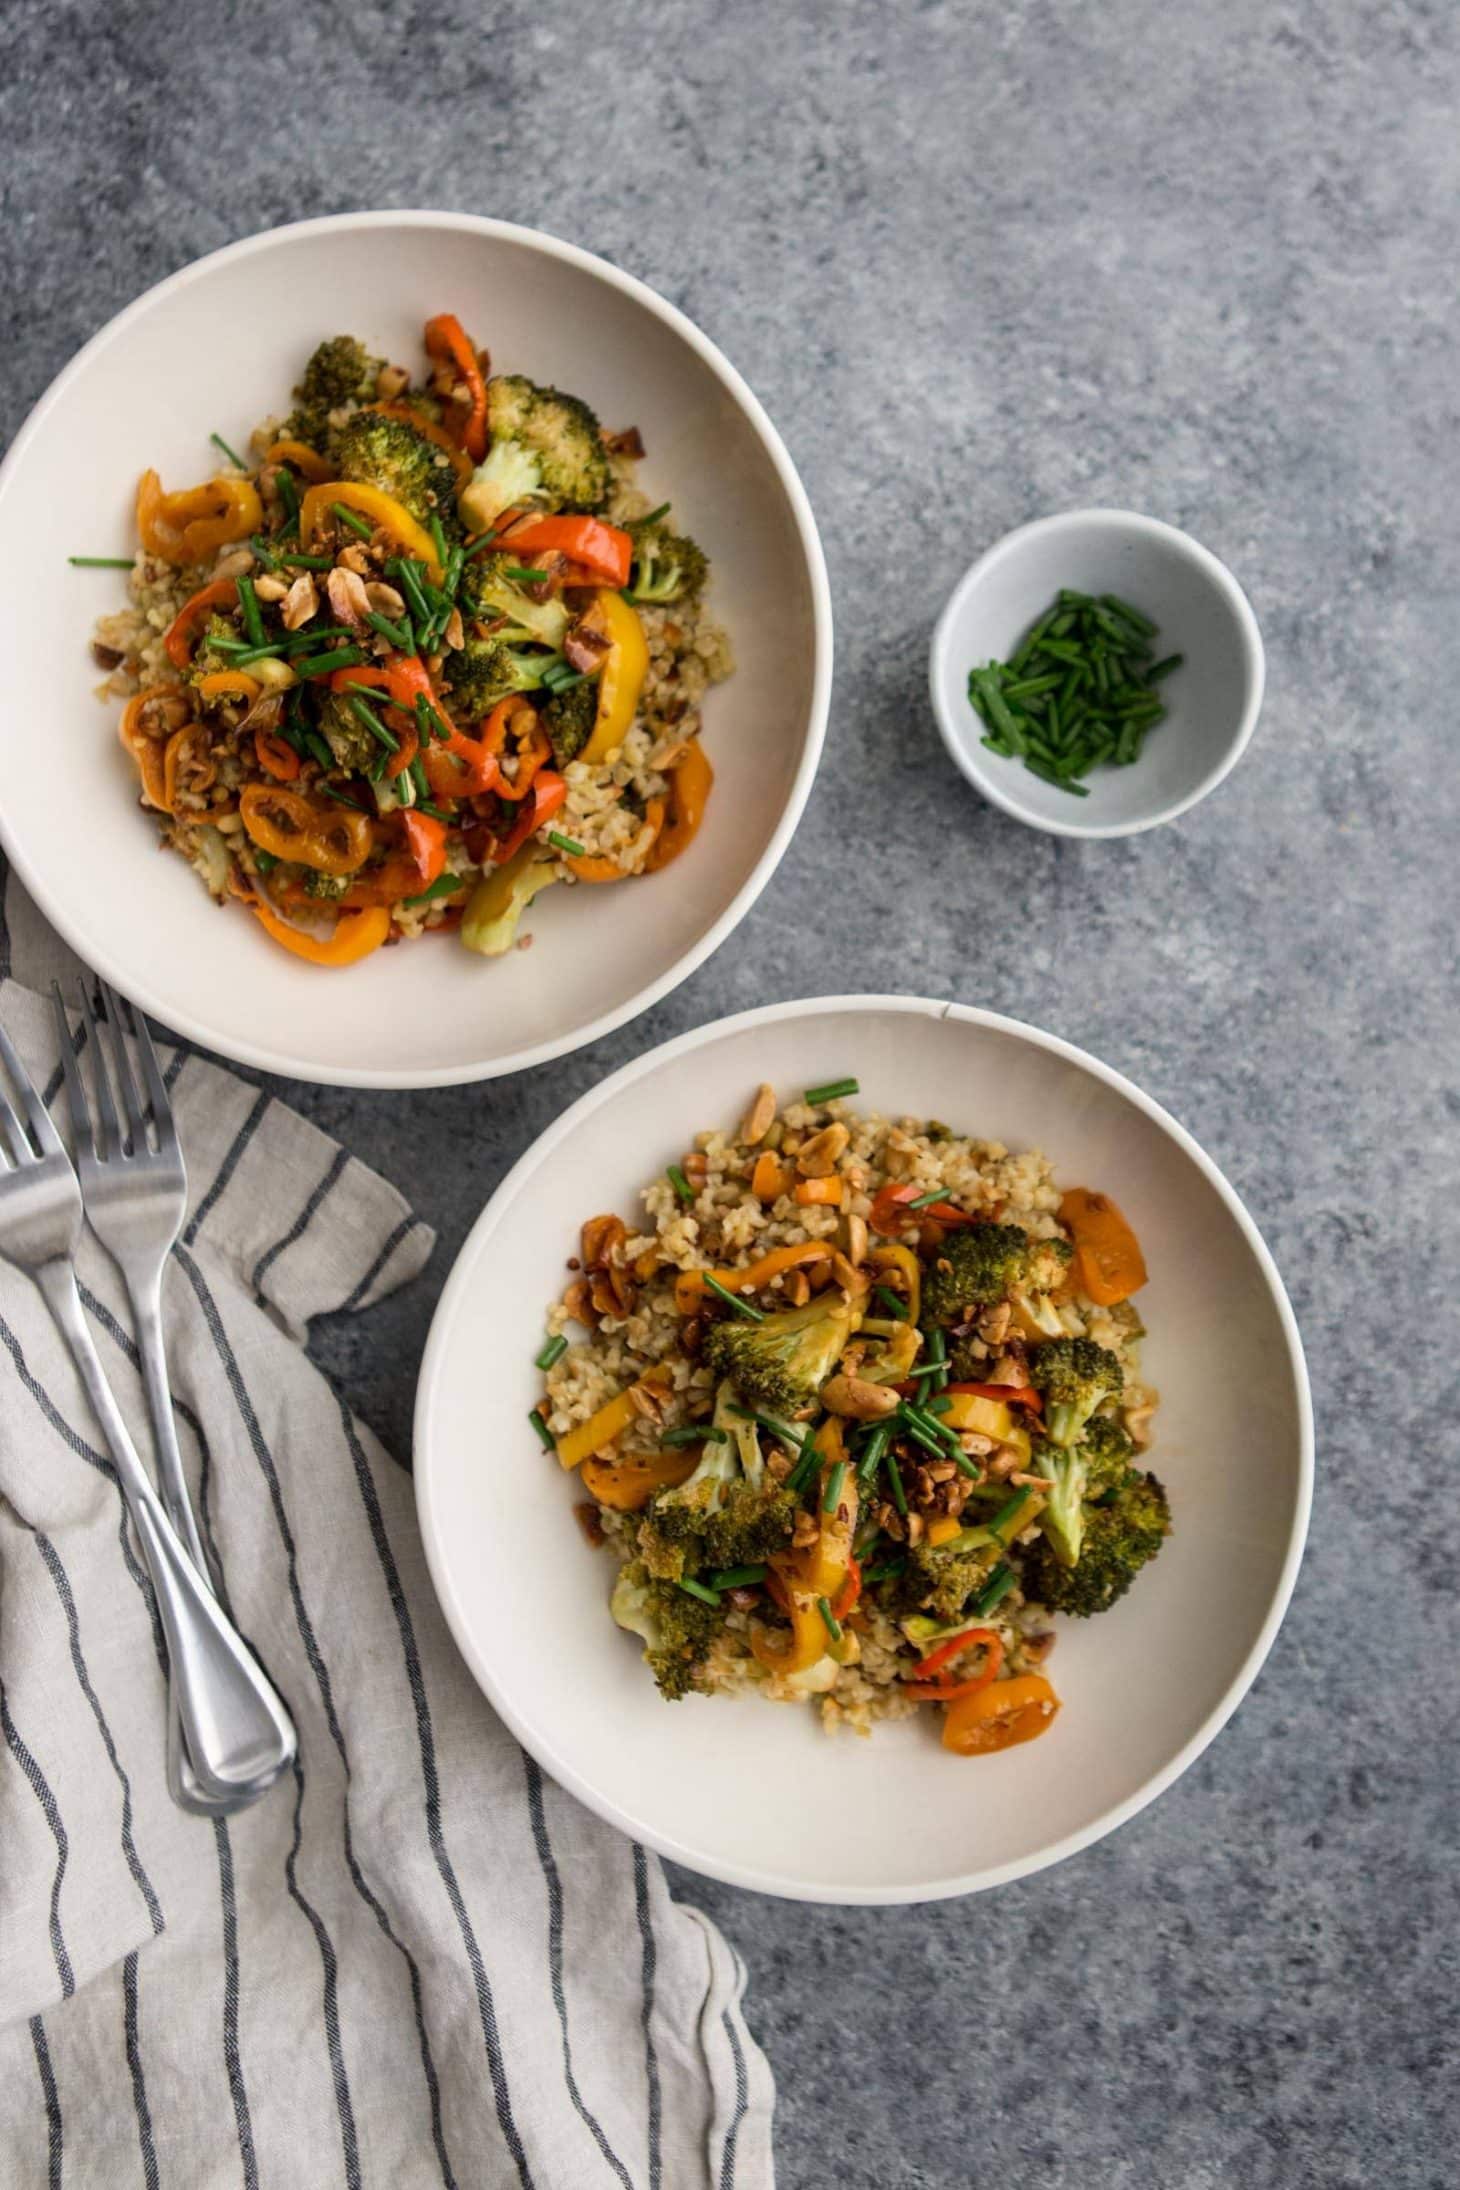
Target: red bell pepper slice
(601, 552)
(548, 793)
(447, 343)
(890, 1211)
(1019, 1395)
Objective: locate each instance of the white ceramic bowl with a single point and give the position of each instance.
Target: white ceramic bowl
(758, 1794)
(217, 347)
(1212, 700)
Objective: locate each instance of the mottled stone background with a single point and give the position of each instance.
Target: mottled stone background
(982, 263)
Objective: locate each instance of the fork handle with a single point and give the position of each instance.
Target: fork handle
(235, 1724)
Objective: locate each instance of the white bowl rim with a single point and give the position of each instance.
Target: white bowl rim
(966, 760)
(259, 1055)
(750, 1876)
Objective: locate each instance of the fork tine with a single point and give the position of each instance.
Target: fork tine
(75, 1080)
(132, 1109)
(47, 1138)
(109, 1142)
(157, 1094)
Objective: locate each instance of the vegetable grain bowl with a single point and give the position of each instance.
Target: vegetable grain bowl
(858, 1409)
(422, 671)
(892, 1363)
(420, 652)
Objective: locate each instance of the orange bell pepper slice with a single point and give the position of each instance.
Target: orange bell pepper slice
(1109, 1263)
(602, 552)
(447, 343)
(407, 872)
(184, 528)
(228, 684)
(429, 431)
(301, 458)
(383, 511)
(181, 635)
(148, 753)
(333, 839)
(690, 783)
(689, 1286)
(770, 1178)
(1023, 1395)
(1000, 1715)
(276, 755)
(355, 936)
(628, 1485)
(890, 1213)
(516, 717)
(828, 1192)
(597, 867)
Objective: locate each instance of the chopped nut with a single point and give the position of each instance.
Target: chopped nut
(851, 1281)
(455, 633)
(696, 1165)
(1008, 1369)
(601, 1238)
(348, 598)
(806, 1530)
(106, 657)
(628, 442)
(235, 564)
(391, 381)
(1138, 1422)
(942, 1471)
(587, 1517)
(1038, 1647)
(779, 1464)
(818, 1157)
(357, 558)
(646, 1402)
(1023, 1480)
(857, 1400)
(915, 1527)
(301, 602)
(856, 1240)
(274, 675)
(383, 598)
(757, 1122)
(993, 1324)
(270, 587)
(798, 1288)
(975, 1444)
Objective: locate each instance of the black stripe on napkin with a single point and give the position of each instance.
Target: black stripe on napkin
(55, 2146)
(649, 1969)
(132, 2034)
(40, 1788)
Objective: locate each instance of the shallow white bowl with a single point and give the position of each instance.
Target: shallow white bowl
(217, 347)
(757, 1794)
(1212, 700)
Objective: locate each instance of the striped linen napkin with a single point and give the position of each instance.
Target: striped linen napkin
(415, 1960)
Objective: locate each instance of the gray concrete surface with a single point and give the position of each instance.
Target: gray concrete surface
(981, 263)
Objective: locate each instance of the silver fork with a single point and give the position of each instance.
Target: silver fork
(135, 1197)
(229, 1713)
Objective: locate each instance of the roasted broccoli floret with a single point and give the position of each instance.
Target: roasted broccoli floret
(1107, 1451)
(677, 1629)
(986, 1263)
(329, 887)
(730, 1512)
(546, 452)
(1074, 1374)
(485, 671)
(939, 1580)
(346, 736)
(667, 566)
(1122, 1534)
(782, 1361)
(389, 454)
(341, 375)
(568, 719)
(488, 593)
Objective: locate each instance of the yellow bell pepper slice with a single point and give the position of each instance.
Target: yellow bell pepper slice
(818, 1571)
(905, 1262)
(689, 1286)
(625, 667)
(989, 1417)
(381, 508)
(628, 1485)
(356, 935)
(188, 526)
(611, 1420)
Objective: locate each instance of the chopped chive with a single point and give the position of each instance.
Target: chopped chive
(832, 1092)
(829, 1619)
(262, 552)
(885, 1572)
(872, 1452)
(545, 1435)
(805, 1467)
(894, 1477)
(445, 885)
(831, 1496)
(938, 1406)
(318, 749)
(567, 844)
(339, 796)
(522, 574)
(674, 1175)
(995, 1591)
(892, 1302)
(1133, 616)
(437, 813)
(248, 605)
(1007, 1510)
(697, 1589)
(738, 1577)
(1161, 669)
(100, 562)
(307, 562)
(364, 713)
(289, 496)
(697, 1433)
(235, 460)
(353, 519)
(399, 635)
(417, 775)
(266, 862)
(937, 1345)
(320, 665)
(926, 1201)
(655, 514)
(790, 1433)
(741, 1307)
(553, 1351)
(438, 539)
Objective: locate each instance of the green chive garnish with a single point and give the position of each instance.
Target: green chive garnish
(832, 1624)
(654, 515)
(544, 1434)
(698, 1589)
(894, 1477)
(885, 1572)
(339, 797)
(445, 885)
(553, 1351)
(266, 862)
(674, 1175)
(1078, 692)
(937, 1346)
(789, 1433)
(289, 496)
(741, 1307)
(831, 1496)
(248, 604)
(100, 562)
(522, 576)
(235, 460)
(307, 562)
(320, 665)
(697, 1433)
(832, 1092)
(892, 1302)
(926, 1201)
(873, 1450)
(417, 775)
(995, 1590)
(364, 713)
(438, 539)
(399, 635)
(1007, 1511)
(353, 519)
(738, 1577)
(574, 850)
